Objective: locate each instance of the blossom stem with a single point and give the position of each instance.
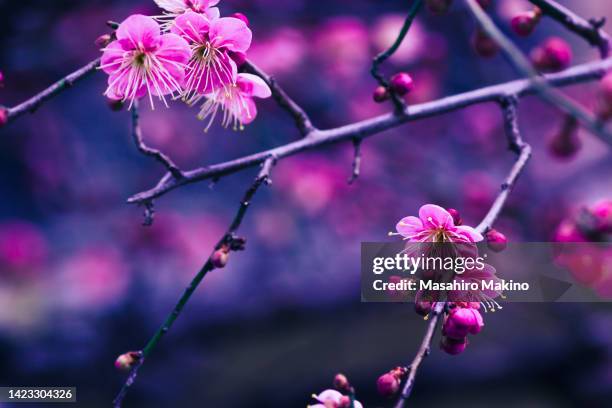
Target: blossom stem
(590, 30)
(524, 67)
(423, 352)
(521, 87)
(32, 104)
(227, 239)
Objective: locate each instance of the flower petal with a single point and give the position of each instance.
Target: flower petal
(191, 26)
(204, 5)
(230, 33)
(433, 216)
(213, 13)
(112, 57)
(470, 233)
(172, 6)
(252, 85)
(140, 31)
(248, 112)
(409, 226)
(173, 48)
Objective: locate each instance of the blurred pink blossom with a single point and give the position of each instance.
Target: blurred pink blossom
(22, 245)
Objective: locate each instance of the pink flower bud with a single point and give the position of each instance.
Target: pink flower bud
(380, 94)
(3, 116)
(242, 17)
(402, 83)
(103, 40)
(565, 143)
(438, 6)
(456, 216)
(387, 385)
(127, 360)
(602, 212)
(453, 346)
(422, 308)
(462, 321)
(552, 56)
(524, 23)
(341, 383)
(484, 45)
(220, 257)
(496, 241)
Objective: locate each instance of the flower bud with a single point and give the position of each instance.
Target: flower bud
(127, 360)
(341, 383)
(242, 17)
(524, 23)
(602, 214)
(387, 385)
(462, 321)
(484, 45)
(438, 6)
(380, 94)
(4, 115)
(115, 104)
(456, 216)
(496, 241)
(453, 346)
(422, 308)
(552, 56)
(103, 40)
(566, 143)
(220, 257)
(402, 83)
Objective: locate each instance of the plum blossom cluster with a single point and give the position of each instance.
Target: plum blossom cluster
(189, 53)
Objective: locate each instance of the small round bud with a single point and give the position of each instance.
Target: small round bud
(496, 241)
(438, 6)
(422, 308)
(341, 383)
(220, 257)
(380, 94)
(484, 45)
(115, 104)
(565, 143)
(402, 83)
(127, 360)
(453, 346)
(387, 385)
(552, 56)
(242, 17)
(462, 321)
(456, 216)
(524, 23)
(4, 115)
(103, 40)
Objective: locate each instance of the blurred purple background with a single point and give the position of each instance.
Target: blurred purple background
(82, 281)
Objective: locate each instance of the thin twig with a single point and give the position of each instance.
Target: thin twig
(590, 30)
(262, 178)
(302, 121)
(148, 151)
(30, 105)
(518, 146)
(523, 66)
(356, 161)
(423, 352)
(383, 56)
(369, 127)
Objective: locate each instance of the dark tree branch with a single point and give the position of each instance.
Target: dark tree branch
(523, 66)
(148, 151)
(369, 127)
(423, 352)
(590, 30)
(302, 121)
(356, 161)
(227, 240)
(30, 105)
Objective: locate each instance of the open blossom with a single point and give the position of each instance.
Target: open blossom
(435, 224)
(235, 101)
(211, 40)
(143, 61)
(484, 295)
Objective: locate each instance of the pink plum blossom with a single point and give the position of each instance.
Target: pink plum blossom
(235, 101)
(210, 67)
(435, 224)
(332, 399)
(143, 61)
(486, 296)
